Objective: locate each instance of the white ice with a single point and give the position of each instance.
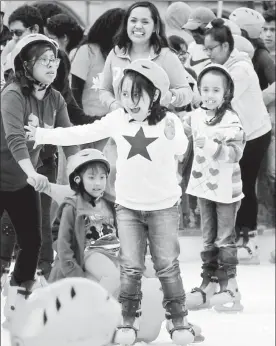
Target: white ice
(255, 326)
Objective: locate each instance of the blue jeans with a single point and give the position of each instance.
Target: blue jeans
(160, 228)
(219, 237)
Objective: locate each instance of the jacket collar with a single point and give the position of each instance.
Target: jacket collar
(124, 54)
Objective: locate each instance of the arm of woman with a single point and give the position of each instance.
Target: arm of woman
(66, 255)
(269, 94)
(106, 92)
(77, 89)
(179, 86)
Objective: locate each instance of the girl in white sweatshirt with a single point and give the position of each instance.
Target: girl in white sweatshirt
(148, 137)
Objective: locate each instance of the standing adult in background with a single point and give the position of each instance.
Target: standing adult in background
(89, 59)
(268, 32)
(248, 103)
(176, 16)
(252, 22)
(196, 25)
(65, 30)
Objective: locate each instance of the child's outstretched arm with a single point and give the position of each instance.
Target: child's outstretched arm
(179, 141)
(75, 135)
(66, 255)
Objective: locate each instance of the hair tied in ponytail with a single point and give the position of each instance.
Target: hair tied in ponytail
(218, 23)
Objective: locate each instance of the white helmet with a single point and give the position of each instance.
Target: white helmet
(249, 20)
(27, 41)
(85, 156)
(156, 74)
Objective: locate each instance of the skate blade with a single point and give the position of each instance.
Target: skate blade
(249, 261)
(198, 339)
(232, 307)
(199, 307)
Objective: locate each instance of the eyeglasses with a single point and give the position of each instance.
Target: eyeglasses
(183, 54)
(47, 61)
(18, 32)
(209, 50)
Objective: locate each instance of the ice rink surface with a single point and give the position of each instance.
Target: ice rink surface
(255, 326)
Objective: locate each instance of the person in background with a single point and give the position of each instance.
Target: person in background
(268, 31)
(252, 22)
(47, 9)
(196, 25)
(5, 34)
(268, 36)
(89, 60)
(66, 31)
(248, 103)
(177, 15)
(27, 99)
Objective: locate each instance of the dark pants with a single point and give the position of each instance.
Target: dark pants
(8, 240)
(23, 207)
(250, 163)
(219, 238)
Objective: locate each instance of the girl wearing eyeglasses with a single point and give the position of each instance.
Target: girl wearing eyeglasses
(27, 99)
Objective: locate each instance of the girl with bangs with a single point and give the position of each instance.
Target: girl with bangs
(148, 137)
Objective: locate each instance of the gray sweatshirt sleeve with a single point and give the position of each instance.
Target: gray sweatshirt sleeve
(12, 110)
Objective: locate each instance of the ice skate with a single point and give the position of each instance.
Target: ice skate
(248, 252)
(181, 332)
(16, 298)
(228, 299)
(40, 279)
(199, 297)
(126, 333)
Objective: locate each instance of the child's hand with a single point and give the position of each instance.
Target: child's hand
(169, 129)
(30, 132)
(39, 182)
(200, 142)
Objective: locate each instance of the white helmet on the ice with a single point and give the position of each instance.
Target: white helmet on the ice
(71, 311)
(25, 43)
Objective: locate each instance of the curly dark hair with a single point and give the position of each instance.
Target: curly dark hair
(28, 15)
(158, 38)
(140, 83)
(47, 9)
(62, 24)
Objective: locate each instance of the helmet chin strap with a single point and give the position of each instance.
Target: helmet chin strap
(41, 86)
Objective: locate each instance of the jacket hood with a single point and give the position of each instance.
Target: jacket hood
(237, 56)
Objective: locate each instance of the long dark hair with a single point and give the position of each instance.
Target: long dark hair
(104, 29)
(228, 96)
(140, 83)
(62, 24)
(158, 38)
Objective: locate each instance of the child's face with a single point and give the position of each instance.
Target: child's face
(45, 67)
(140, 25)
(94, 181)
(268, 35)
(137, 109)
(212, 90)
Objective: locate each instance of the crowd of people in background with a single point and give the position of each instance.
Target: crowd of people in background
(204, 85)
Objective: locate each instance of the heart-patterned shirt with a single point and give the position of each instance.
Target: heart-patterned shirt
(215, 171)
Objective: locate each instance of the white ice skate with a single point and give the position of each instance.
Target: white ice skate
(184, 333)
(127, 332)
(51, 314)
(4, 279)
(228, 300)
(248, 252)
(199, 298)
